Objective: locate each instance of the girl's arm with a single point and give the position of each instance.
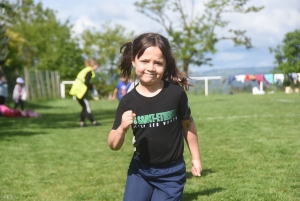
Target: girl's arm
(87, 81)
(191, 138)
(116, 137)
(15, 95)
(114, 96)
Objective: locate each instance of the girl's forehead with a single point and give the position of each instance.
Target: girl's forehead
(152, 51)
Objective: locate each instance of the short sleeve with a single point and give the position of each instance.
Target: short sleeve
(184, 107)
(120, 110)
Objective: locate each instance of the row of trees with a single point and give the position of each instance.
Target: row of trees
(31, 36)
(37, 39)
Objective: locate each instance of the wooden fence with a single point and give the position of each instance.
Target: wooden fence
(42, 85)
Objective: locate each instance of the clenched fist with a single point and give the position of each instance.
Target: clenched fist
(127, 119)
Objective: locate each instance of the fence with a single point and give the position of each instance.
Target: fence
(42, 85)
(219, 85)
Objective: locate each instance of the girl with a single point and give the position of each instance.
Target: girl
(80, 89)
(121, 89)
(157, 110)
(19, 93)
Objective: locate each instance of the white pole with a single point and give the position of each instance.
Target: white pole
(62, 90)
(206, 81)
(206, 86)
(261, 86)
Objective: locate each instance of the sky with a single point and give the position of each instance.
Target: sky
(266, 28)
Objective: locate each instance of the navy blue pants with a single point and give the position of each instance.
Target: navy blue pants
(155, 183)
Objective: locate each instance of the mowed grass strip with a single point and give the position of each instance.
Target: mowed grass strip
(250, 148)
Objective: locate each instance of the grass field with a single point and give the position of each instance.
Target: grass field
(250, 149)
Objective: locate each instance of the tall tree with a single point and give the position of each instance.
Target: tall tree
(48, 43)
(15, 51)
(104, 46)
(4, 9)
(3, 45)
(287, 55)
(194, 34)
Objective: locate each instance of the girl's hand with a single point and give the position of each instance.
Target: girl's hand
(196, 168)
(127, 119)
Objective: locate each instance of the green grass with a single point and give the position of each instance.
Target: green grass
(250, 148)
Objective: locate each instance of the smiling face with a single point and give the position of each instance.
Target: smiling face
(150, 66)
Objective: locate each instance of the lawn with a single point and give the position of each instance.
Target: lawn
(250, 149)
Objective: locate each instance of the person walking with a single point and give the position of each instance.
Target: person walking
(80, 89)
(19, 93)
(158, 112)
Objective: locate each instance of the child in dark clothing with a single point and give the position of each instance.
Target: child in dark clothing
(158, 112)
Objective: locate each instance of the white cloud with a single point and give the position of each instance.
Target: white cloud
(83, 23)
(270, 24)
(266, 28)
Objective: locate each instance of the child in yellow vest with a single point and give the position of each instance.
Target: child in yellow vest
(80, 88)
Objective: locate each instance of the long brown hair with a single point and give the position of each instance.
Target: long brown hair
(137, 47)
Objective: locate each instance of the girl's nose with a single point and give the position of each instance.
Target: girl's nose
(150, 67)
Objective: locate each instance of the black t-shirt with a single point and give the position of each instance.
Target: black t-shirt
(157, 126)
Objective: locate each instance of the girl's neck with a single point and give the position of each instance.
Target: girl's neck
(150, 90)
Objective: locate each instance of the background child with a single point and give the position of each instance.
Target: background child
(3, 89)
(19, 93)
(80, 89)
(157, 109)
(121, 89)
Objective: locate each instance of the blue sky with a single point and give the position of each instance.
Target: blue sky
(266, 28)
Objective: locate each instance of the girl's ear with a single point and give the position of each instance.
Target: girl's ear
(133, 63)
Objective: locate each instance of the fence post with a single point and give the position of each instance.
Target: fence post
(38, 83)
(48, 84)
(53, 83)
(42, 83)
(57, 84)
(27, 83)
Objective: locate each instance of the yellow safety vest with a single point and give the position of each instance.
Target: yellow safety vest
(79, 88)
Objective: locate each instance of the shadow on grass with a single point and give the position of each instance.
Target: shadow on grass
(35, 105)
(56, 118)
(195, 195)
(5, 134)
(53, 120)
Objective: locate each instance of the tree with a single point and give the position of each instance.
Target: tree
(4, 9)
(104, 46)
(15, 49)
(287, 56)
(47, 43)
(3, 45)
(194, 35)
